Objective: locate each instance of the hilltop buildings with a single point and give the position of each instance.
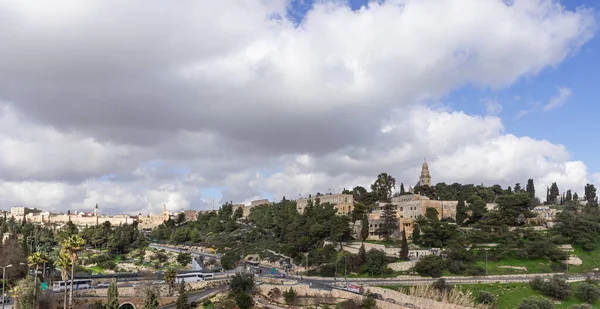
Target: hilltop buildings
(343, 202)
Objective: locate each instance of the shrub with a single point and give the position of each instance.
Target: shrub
(110, 264)
(486, 297)
(289, 296)
(457, 267)
(536, 303)
(588, 292)
(243, 300)
(556, 287)
(430, 266)
(475, 270)
(582, 306)
(441, 285)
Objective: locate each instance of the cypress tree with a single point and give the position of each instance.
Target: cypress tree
(364, 228)
(113, 296)
(151, 300)
(182, 299)
(416, 235)
(362, 254)
(404, 247)
(402, 192)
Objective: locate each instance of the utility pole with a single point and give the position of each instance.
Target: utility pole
(486, 262)
(345, 271)
(4, 280)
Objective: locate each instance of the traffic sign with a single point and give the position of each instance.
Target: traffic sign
(44, 286)
(273, 271)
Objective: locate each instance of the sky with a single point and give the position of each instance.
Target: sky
(132, 105)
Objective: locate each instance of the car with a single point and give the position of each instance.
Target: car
(137, 284)
(103, 284)
(280, 275)
(377, 296)
(159, 282)
(4, 300)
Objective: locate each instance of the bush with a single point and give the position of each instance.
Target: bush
(375, 262)
(588, 292)
(243, 300)
(289, 296)
(442, 286)
(475, 270)
(486, 297)
(430, 266)
(556, 287)
(536, 303)
(457, 267)
(110, 264)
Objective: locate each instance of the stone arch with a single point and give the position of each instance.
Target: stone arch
(126, 306)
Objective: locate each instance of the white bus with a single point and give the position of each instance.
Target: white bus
(80, 284)
(193, 277)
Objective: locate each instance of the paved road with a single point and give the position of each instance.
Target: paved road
(196, 296)
(325, 283)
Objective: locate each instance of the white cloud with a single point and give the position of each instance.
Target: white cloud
(149, 109)
(492, 107)
(559, 99)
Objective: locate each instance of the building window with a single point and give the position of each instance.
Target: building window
(401, 208)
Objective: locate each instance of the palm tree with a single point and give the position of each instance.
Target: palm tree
(36, 259)
(64, 262)
(72, 246)
(169, 277)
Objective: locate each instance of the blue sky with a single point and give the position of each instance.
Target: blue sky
(572, 124)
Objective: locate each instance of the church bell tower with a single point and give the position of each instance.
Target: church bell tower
(425, 179)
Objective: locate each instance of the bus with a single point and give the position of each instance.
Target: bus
(193, 277)
(80, 284)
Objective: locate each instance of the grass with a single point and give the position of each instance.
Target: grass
(590, 259)
(533, 266)
(508, 296)
(96, 269)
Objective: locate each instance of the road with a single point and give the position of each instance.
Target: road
(326, 283)
(196, 296)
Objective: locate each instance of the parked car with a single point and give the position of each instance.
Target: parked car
(4, 300)
(103, 284)
(159, 282)
(280, 275)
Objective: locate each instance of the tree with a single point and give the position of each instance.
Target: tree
(375, 262)
(461, 210)
(182, 299)
(575, 196)
(590, 293)
(36, 259)
(72, 246)
(113, 296)
(554, 193)
(515, 209)
(530, 188)
(362, 254)
(243, 300)
(404, 247)
(369, 302)
(184, 258)
(517, 188)
(169, 276)
(151, 300)
(383, 187)
(536, 303)
(432, 214)
(416, 234)
(364, 228)
(241, 282)
(389, 223)
(441, 285)
(238, 213)
(229, 260)
(402, 192)
(64, 262)
(23, 293)
(289, 296)
(569, 196)
(430, 266)
(590, 195)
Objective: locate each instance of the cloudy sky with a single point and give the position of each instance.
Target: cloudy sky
(139, 103)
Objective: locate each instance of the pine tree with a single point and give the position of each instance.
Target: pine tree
(547, 195)
(517, 188)
(113, 296)
(416, 235)
(575, 196)
(389, 223)
(364, 228)
(461, 210)
(590, 195)
(151, 300)
(182, 299)
(402, 192)
(404, 247)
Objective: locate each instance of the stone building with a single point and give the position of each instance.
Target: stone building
(344, 203)
(246, 209)
(79, 218)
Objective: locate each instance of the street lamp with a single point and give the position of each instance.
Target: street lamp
(3, 283)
